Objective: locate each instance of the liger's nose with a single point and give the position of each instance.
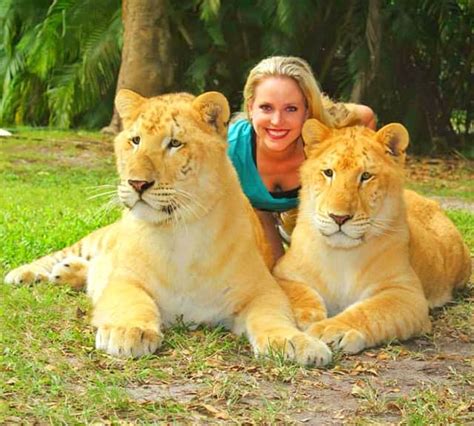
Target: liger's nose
(140, 185)
(340, 220)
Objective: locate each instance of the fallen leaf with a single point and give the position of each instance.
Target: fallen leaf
(392, 406)
(218, 414)
(339, 415)
(80, 313)
(358, 391)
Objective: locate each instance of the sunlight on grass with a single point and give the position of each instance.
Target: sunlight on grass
(461, 189)
(436, 405)
(50, 372)
(464, 221)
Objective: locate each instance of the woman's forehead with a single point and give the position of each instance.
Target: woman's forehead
(279, 88)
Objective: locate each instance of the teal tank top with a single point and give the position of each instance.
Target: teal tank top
(240, 136)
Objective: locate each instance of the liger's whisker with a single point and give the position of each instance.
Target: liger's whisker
(103, 194)
(108, 207)
(99, 187)
(191, 197)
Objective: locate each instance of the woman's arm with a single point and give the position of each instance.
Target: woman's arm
(349, 114)
(271, 232)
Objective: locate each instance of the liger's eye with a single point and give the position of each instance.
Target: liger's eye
(136, 140)
(365, 176)
(174, 143)
(328, 173)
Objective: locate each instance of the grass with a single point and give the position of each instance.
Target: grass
(51, 373)
(465, 224)
(442, 177)
(436, 405)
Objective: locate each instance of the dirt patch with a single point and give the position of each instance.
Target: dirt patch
(77, 152)
(425, 169)
(375, 386)
(180, 392)
(452, 203)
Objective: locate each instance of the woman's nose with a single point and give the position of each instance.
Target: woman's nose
(276, 117)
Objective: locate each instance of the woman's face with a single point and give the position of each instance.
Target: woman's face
(278, 112)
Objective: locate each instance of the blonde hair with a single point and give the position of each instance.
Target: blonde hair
(298, 70)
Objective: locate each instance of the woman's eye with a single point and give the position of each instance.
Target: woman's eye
(328, 173)
(365, 176)
(135, 140)
(265, 108)
(292, 109)
(174, 143)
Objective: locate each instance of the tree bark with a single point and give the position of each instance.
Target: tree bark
(147, 65)
(373, 36)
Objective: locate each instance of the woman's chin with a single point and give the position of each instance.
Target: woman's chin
(279, 145)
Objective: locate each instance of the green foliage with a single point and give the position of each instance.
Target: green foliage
(59, 59)
(464, 221)
(433, 41)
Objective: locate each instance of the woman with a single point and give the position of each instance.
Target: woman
(266, 147)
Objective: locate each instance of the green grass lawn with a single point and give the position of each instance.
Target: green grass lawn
(51, 373)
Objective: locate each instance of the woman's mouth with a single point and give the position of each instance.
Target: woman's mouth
(277, 133)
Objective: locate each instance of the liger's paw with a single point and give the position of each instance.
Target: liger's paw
(128, 342)
(300, 348)
(307, 305)
(347, 339)
(72, 271)
(309, 315)
(306, 350)
(27, 274)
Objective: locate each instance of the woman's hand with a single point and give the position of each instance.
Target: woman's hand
(366, 115)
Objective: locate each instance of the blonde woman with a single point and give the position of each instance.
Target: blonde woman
(266, 147)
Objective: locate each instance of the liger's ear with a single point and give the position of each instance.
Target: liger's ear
(314, 132)
(395, 139)
(214, 110)
(128, 104)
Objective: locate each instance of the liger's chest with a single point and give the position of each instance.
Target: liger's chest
(188, 285)
(342, 282)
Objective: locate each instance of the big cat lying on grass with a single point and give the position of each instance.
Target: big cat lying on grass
(187, 244)
(367, 259)
(377, 255)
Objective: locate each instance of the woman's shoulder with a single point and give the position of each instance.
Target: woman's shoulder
(239, 135)
(239, 127)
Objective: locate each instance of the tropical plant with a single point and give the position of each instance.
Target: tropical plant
(58, 60)
(424, 70)
(410, 60)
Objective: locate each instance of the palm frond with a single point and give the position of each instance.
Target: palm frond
(209, 9)
(199, 70)
(75, 88)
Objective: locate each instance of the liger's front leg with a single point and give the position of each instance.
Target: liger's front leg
(270, 326)
(307, 305)
(394, 313)
(127, 319)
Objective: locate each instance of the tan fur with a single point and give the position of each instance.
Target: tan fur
(342, 114)
(368, 271)
(186, 247)
(437, 253)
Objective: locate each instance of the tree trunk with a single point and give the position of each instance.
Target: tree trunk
(373, 36)
(147, 64)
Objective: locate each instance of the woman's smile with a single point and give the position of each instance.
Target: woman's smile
(277, 134)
